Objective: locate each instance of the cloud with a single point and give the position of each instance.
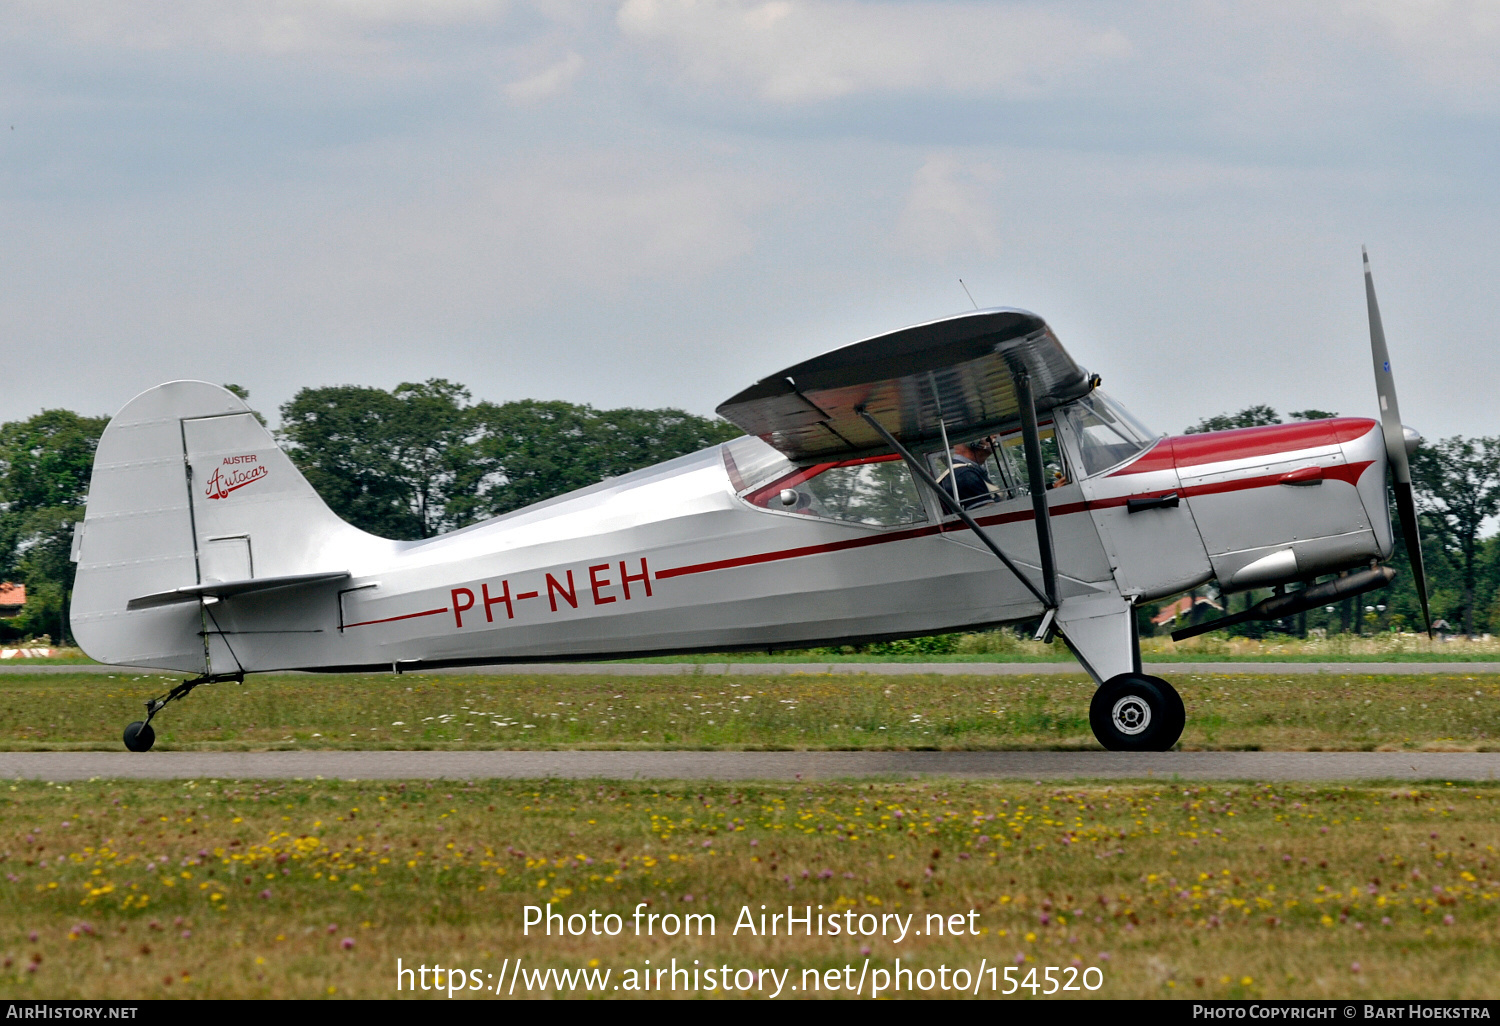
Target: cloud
(546, 83)
(244, 26)
(1452, 46)
(614, 225)
(540, 229)
(948, 209)
(803, 51)
(525, 274)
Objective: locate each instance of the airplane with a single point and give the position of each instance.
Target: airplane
(837, 518)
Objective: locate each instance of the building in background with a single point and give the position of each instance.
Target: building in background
(12, 598)
(1192, 607)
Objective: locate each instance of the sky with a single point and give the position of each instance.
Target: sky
(658, 202)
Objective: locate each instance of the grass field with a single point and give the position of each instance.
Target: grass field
(1225, 711)
(1008, 647)
(1005, 645)
(221, 889)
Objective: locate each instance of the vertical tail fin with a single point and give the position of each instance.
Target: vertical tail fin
(189, 488)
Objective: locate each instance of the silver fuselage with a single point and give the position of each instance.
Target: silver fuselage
(672, 559)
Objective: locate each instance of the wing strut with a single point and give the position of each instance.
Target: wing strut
(953, 506)
(1032, 440)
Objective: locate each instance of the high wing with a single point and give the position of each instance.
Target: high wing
(958, 370)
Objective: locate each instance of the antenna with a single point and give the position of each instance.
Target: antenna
(968, 293)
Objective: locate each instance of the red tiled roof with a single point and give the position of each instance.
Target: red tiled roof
(12, 594)
(1184, 605)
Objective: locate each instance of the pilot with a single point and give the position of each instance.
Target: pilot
(975, 488)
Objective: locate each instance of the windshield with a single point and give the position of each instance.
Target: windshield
(1107, 434)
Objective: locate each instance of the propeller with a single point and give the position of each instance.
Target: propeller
(1396, 438)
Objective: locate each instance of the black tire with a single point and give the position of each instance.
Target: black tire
(1132, 712)
(1179, 711)
(139, 737)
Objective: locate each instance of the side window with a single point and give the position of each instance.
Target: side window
(878, 492)
(1054, 470)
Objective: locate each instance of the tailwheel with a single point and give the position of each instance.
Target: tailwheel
(139, 737)
(1133, 712)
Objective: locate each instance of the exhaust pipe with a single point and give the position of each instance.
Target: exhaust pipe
(1293, 602)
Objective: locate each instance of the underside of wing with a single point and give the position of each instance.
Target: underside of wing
(957, 374)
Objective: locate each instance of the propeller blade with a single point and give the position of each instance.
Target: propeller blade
(1395, 442)
(1406, 508)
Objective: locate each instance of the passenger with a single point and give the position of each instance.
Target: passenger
(975, 488)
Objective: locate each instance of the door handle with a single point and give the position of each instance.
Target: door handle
(1168, 501)
(1305, 476)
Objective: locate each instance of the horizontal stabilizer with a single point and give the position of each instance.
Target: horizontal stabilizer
(226, 589)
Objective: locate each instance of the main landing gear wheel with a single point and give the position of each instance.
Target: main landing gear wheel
(1133, 712)
(139, 737)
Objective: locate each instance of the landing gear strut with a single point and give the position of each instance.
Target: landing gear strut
(1135, 712)
(139, 737)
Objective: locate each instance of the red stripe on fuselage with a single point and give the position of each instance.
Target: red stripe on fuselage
(805, 550)
(1246, 443)
(1348, 473)
(874, 539)
(392, 619)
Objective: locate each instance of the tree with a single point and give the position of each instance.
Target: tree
(1250, 416)
(384, 461)
(244, 393)
(45, 566)
(1457, 481)
(531, 450)
(1253, 416)
(45, 464)
(631, 439)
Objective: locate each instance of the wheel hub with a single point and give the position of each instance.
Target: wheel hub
(1131, 715)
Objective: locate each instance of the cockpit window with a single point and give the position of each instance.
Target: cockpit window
(1001, 474)
(1107, 434)
(879, 492)
(973, 482)
(1013, 451)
